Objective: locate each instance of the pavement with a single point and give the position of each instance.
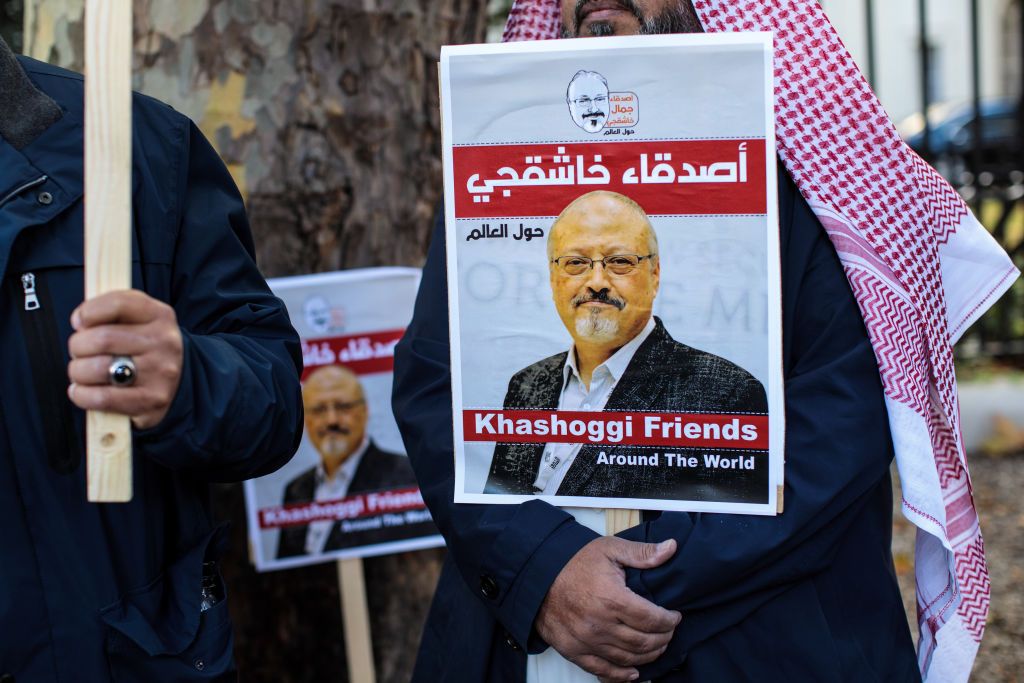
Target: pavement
(998, 483)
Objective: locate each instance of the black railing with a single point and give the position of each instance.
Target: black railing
(989, 173)
(984, 160)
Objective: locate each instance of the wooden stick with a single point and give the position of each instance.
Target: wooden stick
(108, 216)
(620, 520)
(356, 618)
(616, 520)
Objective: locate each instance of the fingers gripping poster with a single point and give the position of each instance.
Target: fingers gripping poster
(349, 491)
(613, 270)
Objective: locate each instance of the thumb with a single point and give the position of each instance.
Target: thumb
(641, 555)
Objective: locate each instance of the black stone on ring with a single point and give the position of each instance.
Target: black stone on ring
(121, 372)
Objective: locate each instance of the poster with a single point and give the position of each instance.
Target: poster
(349, 491)
(613, 272)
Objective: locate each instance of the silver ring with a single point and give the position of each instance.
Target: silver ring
(122, 372)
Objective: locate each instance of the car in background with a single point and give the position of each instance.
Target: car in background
(951, 141)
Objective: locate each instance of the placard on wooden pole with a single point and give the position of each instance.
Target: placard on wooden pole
(108, 216)
(356, 619)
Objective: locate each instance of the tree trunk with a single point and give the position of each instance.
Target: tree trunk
(327, 116)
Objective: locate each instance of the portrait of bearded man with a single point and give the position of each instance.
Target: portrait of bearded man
(605, 273)
(349, 463)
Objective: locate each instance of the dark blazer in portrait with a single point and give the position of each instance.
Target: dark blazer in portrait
(378, 471)
(663, 375)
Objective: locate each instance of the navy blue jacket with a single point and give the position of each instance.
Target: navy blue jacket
(810, 595)
(111, 592)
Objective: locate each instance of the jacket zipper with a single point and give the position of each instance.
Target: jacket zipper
(28, 283)
(46, 363)
(18, 190)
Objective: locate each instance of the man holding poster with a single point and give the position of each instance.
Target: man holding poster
(604, 273)
(869, 311)
(126, 591)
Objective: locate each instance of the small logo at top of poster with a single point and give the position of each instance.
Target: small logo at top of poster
(594, 108)
(321, 317)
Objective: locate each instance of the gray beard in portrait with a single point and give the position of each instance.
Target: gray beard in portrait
(25, 112)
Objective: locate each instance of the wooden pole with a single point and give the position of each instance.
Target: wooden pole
(620, 520)
(356, 618)
(108, 216)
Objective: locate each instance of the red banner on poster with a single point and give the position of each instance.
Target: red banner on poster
(671, 177)
(679, 430)
(396, 502)
(363, 354)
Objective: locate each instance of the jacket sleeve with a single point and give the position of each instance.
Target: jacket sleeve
(238, 410)
(508, 554)
(838, 452)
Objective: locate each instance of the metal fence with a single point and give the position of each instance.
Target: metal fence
(984, 160)
(980, 150)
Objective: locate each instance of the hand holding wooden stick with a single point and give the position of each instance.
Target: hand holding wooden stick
(108, 216)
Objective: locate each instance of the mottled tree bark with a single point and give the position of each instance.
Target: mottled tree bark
(326, 113)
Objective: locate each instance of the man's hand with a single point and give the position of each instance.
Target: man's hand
(127, 323)
(592, 619)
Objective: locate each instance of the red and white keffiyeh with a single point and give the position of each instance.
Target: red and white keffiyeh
(922, 269)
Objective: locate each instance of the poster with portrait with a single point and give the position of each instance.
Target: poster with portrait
(349, 491)
(613, 272)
